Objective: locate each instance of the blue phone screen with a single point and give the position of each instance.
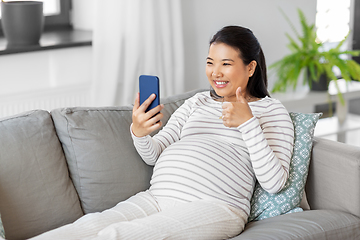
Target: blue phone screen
(148, 85)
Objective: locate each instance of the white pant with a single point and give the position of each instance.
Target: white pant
(145, 217)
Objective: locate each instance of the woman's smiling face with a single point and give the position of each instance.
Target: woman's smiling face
(226, 71)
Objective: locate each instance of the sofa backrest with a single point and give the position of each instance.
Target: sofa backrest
(36, 193)
(101, 157)
(334, 177)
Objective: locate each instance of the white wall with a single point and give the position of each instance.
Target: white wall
(202, 18)
(31, 72)
(24, 72)
(45, 80)
(52, 68)
(52, 78)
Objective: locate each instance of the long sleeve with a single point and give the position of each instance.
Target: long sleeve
(150, 148)
(269, 139)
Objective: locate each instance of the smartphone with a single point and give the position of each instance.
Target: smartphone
(147, 86)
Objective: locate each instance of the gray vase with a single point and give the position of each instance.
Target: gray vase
(22, 22)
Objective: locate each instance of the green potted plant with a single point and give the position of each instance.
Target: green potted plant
(309, 58)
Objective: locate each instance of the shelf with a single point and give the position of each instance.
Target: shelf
(64, 38)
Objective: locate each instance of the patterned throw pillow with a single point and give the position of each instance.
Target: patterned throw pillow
(2, 232)
(264, 204)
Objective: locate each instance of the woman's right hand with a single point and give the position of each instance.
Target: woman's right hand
(143, 123)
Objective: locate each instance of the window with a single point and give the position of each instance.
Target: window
(56, 12)
(51, 7)
(332, 20)
(333, 24)
(356, 29)
(59, 13)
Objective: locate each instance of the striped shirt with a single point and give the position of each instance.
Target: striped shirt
(197, 157)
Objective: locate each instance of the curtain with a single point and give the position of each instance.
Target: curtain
(135, 37)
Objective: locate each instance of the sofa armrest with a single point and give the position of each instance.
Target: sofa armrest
(334, 177)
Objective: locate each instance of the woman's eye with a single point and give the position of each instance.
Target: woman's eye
(208, 63)
(226, 64)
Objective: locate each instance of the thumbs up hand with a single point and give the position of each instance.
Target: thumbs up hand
(236, 113)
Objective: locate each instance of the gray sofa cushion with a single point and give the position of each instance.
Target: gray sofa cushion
(102, 159)
(307, 225)
(36, 192)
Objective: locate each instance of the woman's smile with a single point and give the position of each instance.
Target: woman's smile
(220, 84)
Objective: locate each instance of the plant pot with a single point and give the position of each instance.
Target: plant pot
(22, 22)
(320, 86)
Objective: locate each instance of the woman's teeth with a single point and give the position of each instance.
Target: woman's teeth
(220, 83)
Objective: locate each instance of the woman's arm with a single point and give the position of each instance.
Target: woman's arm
(270, 142)
(150, 148)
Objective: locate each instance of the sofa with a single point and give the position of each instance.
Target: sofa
(57, 166)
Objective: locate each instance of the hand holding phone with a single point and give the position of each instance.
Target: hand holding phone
(145, 122)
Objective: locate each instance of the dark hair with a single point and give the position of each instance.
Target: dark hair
(243, 39)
